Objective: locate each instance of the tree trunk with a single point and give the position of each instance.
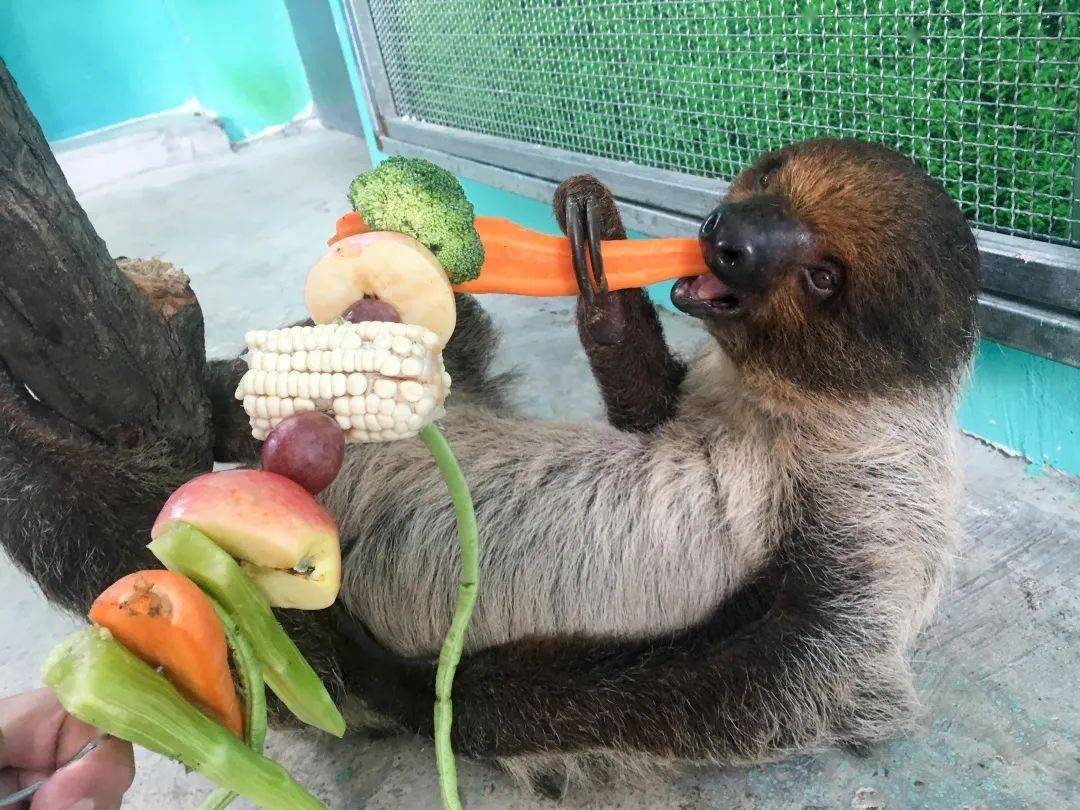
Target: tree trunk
(121, 360)
(104, 401)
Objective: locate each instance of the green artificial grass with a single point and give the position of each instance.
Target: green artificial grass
(983, 95)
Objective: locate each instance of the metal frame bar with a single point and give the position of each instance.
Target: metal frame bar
(1031, 289)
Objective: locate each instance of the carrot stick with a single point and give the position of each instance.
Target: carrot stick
(349, 225)
(521, 261)
(168, 622)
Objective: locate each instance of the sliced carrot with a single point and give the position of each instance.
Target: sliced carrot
(521, 261)
(349, 225)
(166, 620)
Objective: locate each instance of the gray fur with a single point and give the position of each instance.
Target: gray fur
(590, 530)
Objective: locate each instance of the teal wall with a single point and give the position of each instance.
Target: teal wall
(87, 64)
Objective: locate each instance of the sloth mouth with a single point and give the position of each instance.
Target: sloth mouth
(706, 294)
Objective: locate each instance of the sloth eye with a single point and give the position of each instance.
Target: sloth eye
(823, 281)
(764, 181)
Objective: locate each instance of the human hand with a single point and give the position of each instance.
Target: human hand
(37, 736)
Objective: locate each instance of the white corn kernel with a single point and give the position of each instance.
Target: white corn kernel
(372, 402)
(340, 385)
(299, 360)
(384, 389)
(357, 405)
(285, 344)
(260, 381)
(411, 391)
(326, 386)
(372, 422)
(272, 340)
(341, 406)
(322, 336)
(249, 404)
(425, 406)
(287, 407)
(303, 404)
(261, 424)
(386, 407)
(260, 408)
(273, 406)
(284, 362)
(356, 384)
(281, 388)
(336, 359)
(386, 421)
(391, 366)
(348, 362)
(381, 341)
(401, 345)
(344, 422)
(293, 379)
(310, 342)
(411, 367)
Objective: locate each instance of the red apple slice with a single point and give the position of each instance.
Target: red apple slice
(389, 266)
(286, 541)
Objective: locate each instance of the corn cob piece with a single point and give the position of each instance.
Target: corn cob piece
(381, 381)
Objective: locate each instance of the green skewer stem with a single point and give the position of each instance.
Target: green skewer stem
(450, 654)
(249, 671)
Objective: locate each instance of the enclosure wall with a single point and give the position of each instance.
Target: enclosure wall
(85, 66)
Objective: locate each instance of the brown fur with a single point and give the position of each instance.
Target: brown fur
(737, 575)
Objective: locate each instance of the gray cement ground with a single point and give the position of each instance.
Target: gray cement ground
(997, 671)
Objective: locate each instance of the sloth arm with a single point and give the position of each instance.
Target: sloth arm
(765, 673)
(620, 331)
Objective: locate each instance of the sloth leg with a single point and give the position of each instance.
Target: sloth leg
(798, 674)
(638, 376)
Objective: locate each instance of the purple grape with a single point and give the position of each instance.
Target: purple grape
(307, 447)
(370, 309)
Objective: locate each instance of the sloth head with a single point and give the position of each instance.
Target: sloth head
(840, 268)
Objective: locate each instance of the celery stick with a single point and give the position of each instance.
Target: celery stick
(99, 681)
(188, 551)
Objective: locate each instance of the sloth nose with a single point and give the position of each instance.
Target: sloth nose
(744, 243)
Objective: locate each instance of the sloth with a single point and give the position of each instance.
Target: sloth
(733, 567)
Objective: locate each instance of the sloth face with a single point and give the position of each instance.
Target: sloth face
(838, 266)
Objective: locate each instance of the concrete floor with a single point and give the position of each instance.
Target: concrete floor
(997, 671)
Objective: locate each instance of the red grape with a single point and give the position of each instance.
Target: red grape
(370, 309)
(307, 447)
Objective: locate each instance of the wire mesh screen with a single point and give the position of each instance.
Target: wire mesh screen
(984, 94)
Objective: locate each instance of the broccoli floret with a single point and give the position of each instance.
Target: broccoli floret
(417, 198)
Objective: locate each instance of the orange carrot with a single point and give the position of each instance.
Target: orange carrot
(522, 261)
(168, 622)
(349, 225)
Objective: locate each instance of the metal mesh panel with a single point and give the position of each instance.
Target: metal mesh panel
(985, 95)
